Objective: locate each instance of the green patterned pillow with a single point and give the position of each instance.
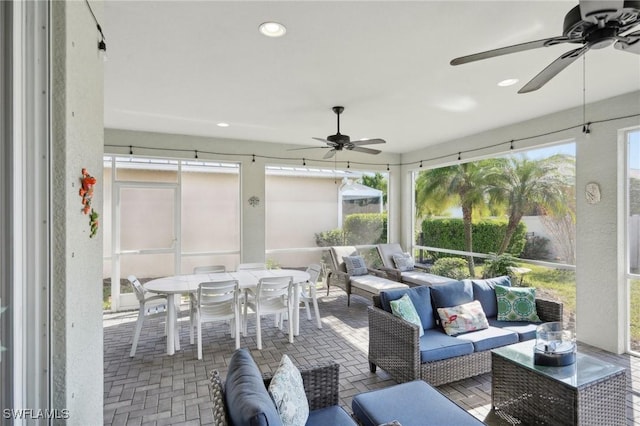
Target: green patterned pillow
(404, 309)
(516, 304)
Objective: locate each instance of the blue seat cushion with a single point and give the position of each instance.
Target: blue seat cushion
(452, 294)
(412, 404)
(248, 402)
(333, 415)
(489, 338)
(436, 345)
(525, 330)
(420, 297)
(484, 292)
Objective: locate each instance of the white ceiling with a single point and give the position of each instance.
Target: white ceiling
(181, 67)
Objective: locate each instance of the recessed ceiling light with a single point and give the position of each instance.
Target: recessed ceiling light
(508, 82)
(272, 29)
(223, 124)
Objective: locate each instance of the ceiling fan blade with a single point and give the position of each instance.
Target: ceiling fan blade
(321, 140)
(368, 142)
(632, 45)
(554, 68)
(308, 147)
(512, 49)
(330, 154)
(365, 150)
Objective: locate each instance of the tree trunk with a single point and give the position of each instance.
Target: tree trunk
(468, 237)
(512, 225)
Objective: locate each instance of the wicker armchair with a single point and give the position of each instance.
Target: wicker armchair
(394, 346)
(321, 384)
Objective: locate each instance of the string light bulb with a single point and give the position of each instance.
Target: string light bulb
(196, 154)
(304, 162)
(253, 160)
(459, 156)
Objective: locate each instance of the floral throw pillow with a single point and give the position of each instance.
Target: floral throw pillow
(287, 391)
(355, 265)
(217, 396)
(463, 318)
(404, 262)
(516, 304)
(405, 309)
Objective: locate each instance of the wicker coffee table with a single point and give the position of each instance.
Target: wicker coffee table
(589, 392)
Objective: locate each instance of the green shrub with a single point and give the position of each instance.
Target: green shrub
(496, 266)
(365, 228)
(334, 237)
(452, 267)
(487, 235)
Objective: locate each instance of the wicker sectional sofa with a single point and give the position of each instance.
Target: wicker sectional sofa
(437, 358)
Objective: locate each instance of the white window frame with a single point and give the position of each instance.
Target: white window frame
(628, 276)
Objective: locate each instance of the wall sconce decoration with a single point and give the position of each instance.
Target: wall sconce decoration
(86, 192)
(254, 201)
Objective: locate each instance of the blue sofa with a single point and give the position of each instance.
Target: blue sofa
(395, 345)
(247, 401)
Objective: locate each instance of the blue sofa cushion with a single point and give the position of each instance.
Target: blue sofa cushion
(409, 403)
(333, 415)
(421, 298)
(484, 292)
(436, 345)
(525, 330)
(452, 294)
(489, 338)
(248, 402)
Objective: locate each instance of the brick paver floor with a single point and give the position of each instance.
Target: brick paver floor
(156, 389)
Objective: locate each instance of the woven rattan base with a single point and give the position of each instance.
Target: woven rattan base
(538, 398)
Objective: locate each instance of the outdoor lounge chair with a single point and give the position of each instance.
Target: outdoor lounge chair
(366, 283)
(414, 275)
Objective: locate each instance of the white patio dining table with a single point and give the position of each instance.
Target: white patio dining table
(180, 284)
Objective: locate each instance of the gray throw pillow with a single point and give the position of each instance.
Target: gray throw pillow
(355, 265)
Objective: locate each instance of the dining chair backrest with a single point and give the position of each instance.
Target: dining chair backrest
(314, 271)
(251, 267)
(137, 288)
(209, 268)
(214, 298)
(274, 287)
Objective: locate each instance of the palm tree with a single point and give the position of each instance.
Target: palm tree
(524, 185)
(461, 184)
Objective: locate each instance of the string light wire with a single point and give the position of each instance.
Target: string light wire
(334, 161)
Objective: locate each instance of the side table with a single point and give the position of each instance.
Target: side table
(589, 392)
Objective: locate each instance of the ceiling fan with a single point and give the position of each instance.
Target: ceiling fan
(594, 24)
(338, 142)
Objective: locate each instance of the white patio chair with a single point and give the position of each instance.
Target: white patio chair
(193, 298)
(271, 296)
(251, 267)
(309, 292)
(218, 301)
(151, 306)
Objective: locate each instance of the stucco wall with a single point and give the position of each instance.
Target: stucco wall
(252, 175)
(77, 140)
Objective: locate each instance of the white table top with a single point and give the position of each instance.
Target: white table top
(246, 279)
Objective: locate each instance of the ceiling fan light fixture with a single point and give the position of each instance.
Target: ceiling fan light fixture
(272, 29)
(508, 82)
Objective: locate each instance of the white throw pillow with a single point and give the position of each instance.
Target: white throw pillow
(287, 391)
